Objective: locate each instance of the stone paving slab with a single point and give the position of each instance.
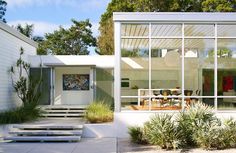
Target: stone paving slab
(86, 145)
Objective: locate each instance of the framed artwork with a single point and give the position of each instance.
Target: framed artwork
(75, 81)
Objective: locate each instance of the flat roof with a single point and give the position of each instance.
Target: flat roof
(14, 32)
(174, 17)
(101, 61)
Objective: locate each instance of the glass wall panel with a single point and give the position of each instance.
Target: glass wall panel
(166, 30)
(165, 71)
(226, 72)
(104, 86)
(134, 68)
(199, 67)
(45, 87)
(199, 30)
(134, 30)
(226, 30)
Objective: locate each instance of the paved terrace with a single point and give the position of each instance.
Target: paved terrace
(94, 145)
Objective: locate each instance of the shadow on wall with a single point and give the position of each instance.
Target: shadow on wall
(104, 86)
(102, 95)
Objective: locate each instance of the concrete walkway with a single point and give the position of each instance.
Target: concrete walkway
(86, 145)
(94, 145)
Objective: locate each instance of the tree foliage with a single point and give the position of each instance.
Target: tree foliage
(3, 5)
(26, 30)
(72, 41)
(106, 38)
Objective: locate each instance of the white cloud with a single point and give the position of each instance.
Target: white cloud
(41, 27)
(82, 4)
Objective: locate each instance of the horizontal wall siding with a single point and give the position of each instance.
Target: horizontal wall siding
(9, 53)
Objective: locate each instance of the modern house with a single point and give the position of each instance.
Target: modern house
(163, 62)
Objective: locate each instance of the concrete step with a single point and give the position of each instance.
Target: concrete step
(64, 111)
(64, 107)
(43, 138)
(62, 115)
(46, 132)
(48, 127)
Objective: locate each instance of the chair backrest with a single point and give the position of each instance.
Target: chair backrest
(188, 92)
(165, 93)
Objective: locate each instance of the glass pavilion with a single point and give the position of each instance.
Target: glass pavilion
(169, 61)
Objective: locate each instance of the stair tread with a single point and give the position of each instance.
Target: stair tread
(46, 132)
(35, 126)
(43, 138)
(64, 107)
(67, 111)
(62, 114)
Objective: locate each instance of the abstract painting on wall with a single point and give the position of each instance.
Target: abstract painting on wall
(75, 81)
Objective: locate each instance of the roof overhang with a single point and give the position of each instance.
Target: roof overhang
(173, 17)
(105, 61)
(14, 32)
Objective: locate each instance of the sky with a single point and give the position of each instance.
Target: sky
(48, 15)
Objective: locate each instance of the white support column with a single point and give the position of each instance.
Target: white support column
(215, 69)
(182, 67)
(117, 77)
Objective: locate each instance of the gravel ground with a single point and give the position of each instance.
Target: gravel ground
(125, 146)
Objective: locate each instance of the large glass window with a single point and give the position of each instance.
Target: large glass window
(226, 79)
(199, 67)
(166, 73)
(134, 68)
(152, 65)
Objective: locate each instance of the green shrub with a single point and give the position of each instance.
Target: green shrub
(161, 130)
(215, 136)
(197, 126)
(99, 112)
(19, 115)
(196, 118)
(137, 135)
(202, 128)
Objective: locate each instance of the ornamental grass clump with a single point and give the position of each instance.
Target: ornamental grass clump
(99, 112)
(21, 114)
(137, 135)
(162, 131)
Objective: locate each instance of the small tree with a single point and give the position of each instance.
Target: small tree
(27, 88)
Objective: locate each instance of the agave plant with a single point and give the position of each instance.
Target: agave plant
(161, 130)
(193, 119)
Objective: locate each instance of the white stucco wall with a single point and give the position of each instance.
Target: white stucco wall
(10, 43)
(82, 97)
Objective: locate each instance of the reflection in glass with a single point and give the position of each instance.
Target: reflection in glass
(199, 66)
(226, 79)
(134, 65)
(166, 74)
